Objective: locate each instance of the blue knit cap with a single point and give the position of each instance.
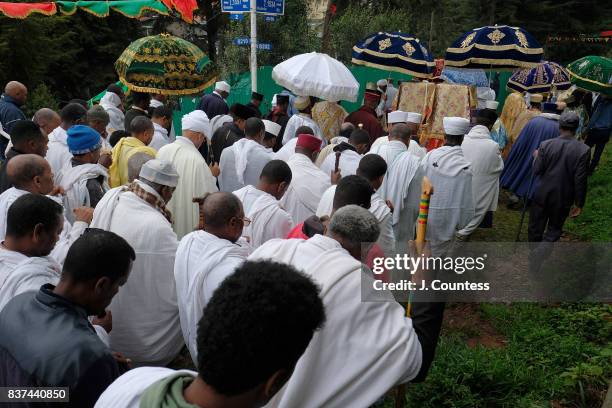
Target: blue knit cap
(83, 139)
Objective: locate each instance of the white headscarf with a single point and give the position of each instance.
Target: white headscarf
(218, 121)
(111, 102)
(197, 121)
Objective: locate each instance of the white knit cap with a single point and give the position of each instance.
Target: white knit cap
(222, 86)
(491, 105)
(271, 127)
(456, 126)
(413, 117)
(382, 82)
(396, 117)
(160, 172)
(196, 121)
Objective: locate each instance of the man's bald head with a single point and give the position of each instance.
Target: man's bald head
(17, 91)
(401, 132)
(223, 215)
(23, 170)
(47, 119)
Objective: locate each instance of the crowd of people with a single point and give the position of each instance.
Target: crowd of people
(242, 241)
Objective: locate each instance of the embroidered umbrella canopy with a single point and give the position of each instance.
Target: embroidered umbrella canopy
(494, 47)
(316, 74)
(394, 51)
(545, 77)
(166, 65)
(592, 73)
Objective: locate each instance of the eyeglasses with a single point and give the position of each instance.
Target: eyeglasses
(245, 221)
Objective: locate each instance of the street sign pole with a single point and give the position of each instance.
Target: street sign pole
(253, 59)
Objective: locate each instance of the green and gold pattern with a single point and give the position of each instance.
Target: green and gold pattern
(592, 73)
(131, 8)
(166, 65)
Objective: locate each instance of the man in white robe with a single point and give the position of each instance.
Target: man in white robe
(58, 154)
(389, 147)
(205, 258)
(373, 168)
(303, 118)
(146, 325)
(34, 224)
(258, 360)
(242, 162)
(451, 206)
(365, 348)
(350, 154)
(402, 187)
(113, 105)
(288, 150)
(86, 181)
(196, 178)
(162, 121)
(486, 165)
(308, 182)
(268, 219)
(31, 174)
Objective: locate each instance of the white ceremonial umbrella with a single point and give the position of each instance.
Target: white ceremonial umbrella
(319, 75)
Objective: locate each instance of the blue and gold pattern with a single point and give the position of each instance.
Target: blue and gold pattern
(540, 79)
(394, 51)
(495, 47)
(166, 65)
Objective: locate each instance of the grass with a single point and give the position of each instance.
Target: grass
(554, 355)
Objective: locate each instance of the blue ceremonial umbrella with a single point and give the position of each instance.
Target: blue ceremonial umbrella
(476, 77)
(541, 78)
(394, 51)
(496, 48)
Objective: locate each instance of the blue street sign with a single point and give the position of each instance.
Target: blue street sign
(269, 19)
(235, 6)
(276, 7)
(245, 41)
(242, 41)
(237, 16)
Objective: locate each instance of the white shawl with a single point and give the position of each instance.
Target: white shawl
(349, 161)
(29, 275)
(58, 155)
(268, 219)
(74, 182)
(451, 205)
(202, 262)
(8, 262)
(307, 186)
(111, 102)
(364, 349)
(390, 150)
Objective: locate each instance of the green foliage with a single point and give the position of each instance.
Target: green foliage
(40, 97)
(290, 35)
(595, 221)
(72, 55)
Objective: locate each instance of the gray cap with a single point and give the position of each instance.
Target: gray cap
(160, 172)
(569, 119)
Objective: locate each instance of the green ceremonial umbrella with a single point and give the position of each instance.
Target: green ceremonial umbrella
(592, 73)
(166, 65)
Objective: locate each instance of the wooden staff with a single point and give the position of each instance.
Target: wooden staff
(337, 164)
(426, 191)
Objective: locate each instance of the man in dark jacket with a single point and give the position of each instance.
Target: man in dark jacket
(226, 135)
(14, 96)
(256, 99)
(215, 103)
(56, 346)
(140, 106)
(366, 115)
(27, 138)
(560, 168)
(280, 116)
